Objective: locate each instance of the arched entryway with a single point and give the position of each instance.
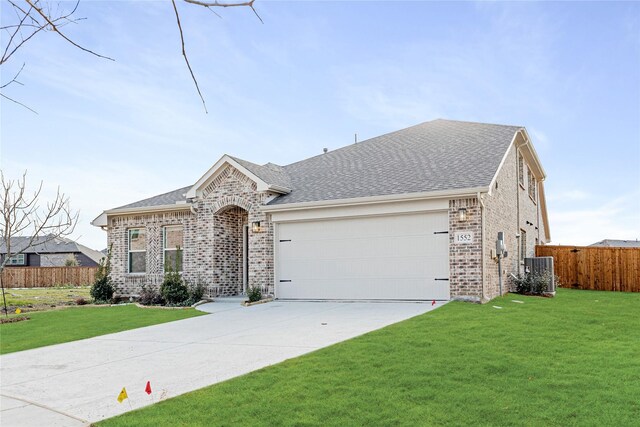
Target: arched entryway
(230, 252)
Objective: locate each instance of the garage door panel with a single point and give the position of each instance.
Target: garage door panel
(382, 288)
(362, 267)
(379, 246)
(392, 257)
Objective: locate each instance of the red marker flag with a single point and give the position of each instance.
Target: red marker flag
(433, 302)
(147, 389)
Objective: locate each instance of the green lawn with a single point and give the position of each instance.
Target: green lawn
(43, 298)
(70, 324)
(568, 361)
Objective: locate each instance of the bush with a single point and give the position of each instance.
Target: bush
(532, 284)
(71, 261)
(102, 289)
(196, 292)
(81, 301)
(173, 289)
(150, 296)
(254, 294)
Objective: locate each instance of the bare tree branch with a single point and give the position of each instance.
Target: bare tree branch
(18, 102)
(14, 79)
(186, 58)
(34, 16)
(54, 28)
(216, 3)
(22, 214)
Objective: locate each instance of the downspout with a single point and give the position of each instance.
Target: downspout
(482, 237)
(518, 206)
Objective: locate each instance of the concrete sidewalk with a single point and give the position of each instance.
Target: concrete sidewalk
(75, 383)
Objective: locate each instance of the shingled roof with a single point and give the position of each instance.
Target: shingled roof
(432, 156)
(169, 198)
(613, 243)
(49, 245)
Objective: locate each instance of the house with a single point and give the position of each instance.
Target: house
(410, 215)
(49, 252)
(612, 243)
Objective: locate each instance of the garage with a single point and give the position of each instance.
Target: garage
(387, 257)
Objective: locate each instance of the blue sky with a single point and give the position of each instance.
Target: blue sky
(109, 133)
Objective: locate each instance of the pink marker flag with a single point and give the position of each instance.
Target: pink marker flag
(147, 389)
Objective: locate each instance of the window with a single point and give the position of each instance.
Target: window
(17, 260)
(523, 245)
(137, 250)
(171, 242)
(532, 186)
(520, 170)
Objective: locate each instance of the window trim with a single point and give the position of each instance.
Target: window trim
(533, 189)
(129, 251)
(16, 257)
(164, 244)
(523, 245)
(521, 170)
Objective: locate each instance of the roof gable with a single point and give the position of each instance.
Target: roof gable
(261, 175)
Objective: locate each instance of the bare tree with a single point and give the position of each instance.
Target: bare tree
(31, 17)
(26, 214)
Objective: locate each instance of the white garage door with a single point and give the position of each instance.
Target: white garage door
(400, 257)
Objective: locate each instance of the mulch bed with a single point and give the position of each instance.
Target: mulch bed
(4, 320)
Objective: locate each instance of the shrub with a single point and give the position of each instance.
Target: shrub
(71, 261)
(533, 284)
(196, 292)
(150, 296)
(254, 294)
(81, 301)
(102, 289)
(173, 289)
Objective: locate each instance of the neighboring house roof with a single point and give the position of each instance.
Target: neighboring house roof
(436, 156)
(618, 243)
(46, 245)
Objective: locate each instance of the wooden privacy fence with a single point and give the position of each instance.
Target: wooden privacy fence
(595, 268)
(45, 277)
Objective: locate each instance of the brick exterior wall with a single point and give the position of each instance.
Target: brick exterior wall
(465, 259)
(212, 242)
(213, 237)
(509, 209)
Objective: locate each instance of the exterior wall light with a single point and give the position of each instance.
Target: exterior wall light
(462, 214)
(255, 227)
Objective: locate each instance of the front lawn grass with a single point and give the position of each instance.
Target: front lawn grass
(567, 361)
(30, 299)
(71, 324)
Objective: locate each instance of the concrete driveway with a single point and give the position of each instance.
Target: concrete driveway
(76, 383)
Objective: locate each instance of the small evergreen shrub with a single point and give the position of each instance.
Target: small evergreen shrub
(254, 294)
(102, 289)
(173, 289)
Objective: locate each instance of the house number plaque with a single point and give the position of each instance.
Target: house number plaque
(463, 237)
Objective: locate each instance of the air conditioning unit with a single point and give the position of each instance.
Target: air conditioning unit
(542, 265)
